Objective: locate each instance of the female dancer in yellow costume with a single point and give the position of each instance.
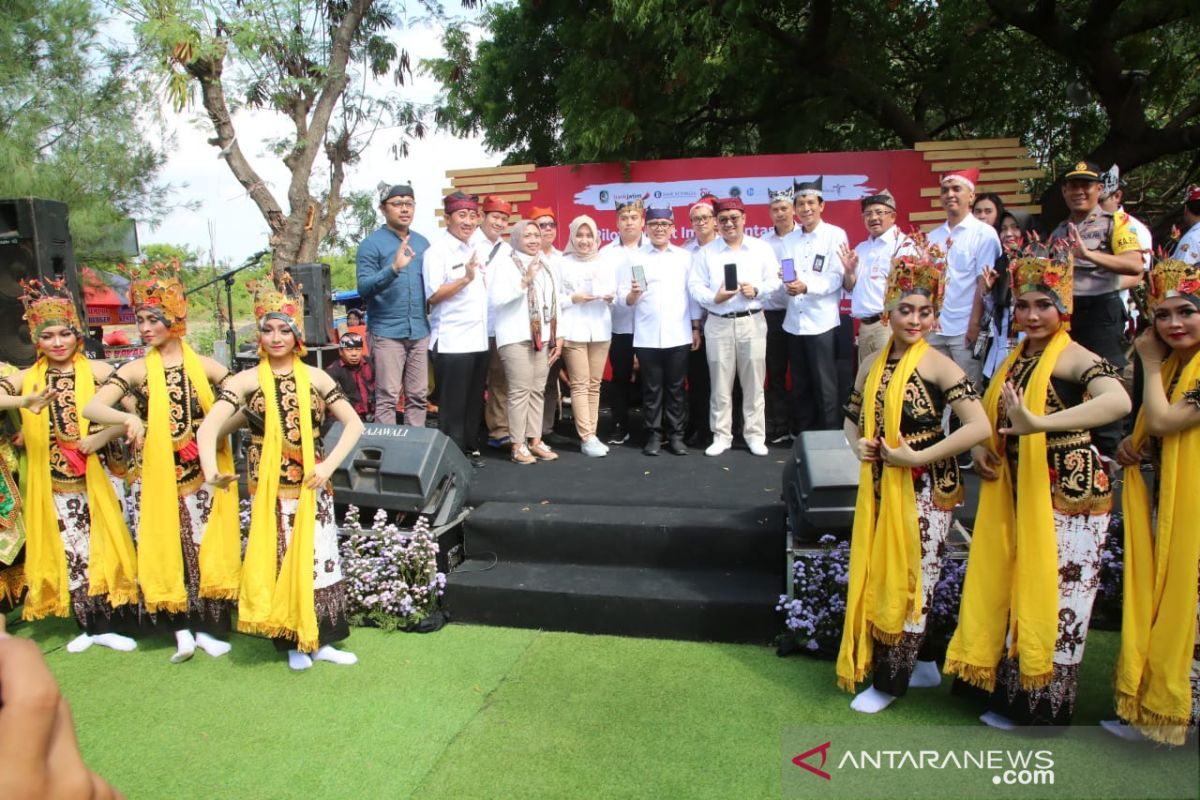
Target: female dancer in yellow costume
(188, 542)
(79, 556)
(1158, 672)
(908, 488)
(292, 588)
(1044, 507)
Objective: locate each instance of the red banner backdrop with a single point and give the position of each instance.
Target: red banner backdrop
(593, 189)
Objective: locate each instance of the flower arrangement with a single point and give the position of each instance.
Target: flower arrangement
(815, 614)
(391, 574)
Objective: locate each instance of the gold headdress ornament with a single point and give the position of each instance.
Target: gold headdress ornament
(1173, 277)
(49, 303)
(157, 288)
(921, 271)
(283, 301)
(1037, 267)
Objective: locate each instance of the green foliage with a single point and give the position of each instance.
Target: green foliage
(556, 81)
(77, 119)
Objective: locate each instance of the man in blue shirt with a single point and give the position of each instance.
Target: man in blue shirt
(391, 282)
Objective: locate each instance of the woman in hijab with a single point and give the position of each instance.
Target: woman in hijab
(585, 295)
(523, 296)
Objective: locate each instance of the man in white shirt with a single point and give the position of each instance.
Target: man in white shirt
(813, 300)
(495, 414)
(1188, 249)
(666, 327)
(457, 295)
(703, 217)
(867, 267)
(624, 252)
(780, 420)
(735, 329)
(973, 246)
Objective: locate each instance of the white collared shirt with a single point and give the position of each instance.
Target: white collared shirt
(622, 259)
(973, 245)
(756, 265)
(777, 301)
(819, 267)
(458, 324)
(492, 252)
(509, 301)
(662, 316)
(590, 321)
(875, 254)
(1191, 240)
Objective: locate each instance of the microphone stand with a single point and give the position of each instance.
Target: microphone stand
(230, 336)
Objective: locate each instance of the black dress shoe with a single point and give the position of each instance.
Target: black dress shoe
(555, 439)
(651, 447)
(676, 446)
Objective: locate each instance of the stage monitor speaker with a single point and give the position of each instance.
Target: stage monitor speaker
(820, 485)
(398, 468)
(35, 242)
(314, 283)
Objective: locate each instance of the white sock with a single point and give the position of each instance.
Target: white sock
(872, 701)
(79, 643)
(115, 641)
(925, 675)
(998, 721)
(298, 660)
(328, 653)
(185, 647)
(212, 645)
(1122, 730)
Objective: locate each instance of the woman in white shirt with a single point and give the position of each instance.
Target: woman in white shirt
(523, 296)
(585, 295)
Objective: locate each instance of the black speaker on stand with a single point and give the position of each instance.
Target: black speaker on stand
(35, 242)
(317, 290)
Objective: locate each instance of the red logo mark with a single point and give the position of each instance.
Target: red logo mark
(823, 749)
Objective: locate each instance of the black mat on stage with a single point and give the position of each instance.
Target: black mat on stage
(625, 477)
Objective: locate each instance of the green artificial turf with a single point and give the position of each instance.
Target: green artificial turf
(471, 712)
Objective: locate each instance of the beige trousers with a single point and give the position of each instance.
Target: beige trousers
(585, 369)
(525, 370)
(495, 413)
(737, 347)
(872, 337)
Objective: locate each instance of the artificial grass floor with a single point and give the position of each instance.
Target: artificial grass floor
(471, 712)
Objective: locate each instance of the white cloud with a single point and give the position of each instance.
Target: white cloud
(239, 228)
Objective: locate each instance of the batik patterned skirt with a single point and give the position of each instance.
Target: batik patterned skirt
(329, 589)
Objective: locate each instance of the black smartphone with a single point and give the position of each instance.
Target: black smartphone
(639, 275)
(819, 263)
(731, 281)
(789, 269)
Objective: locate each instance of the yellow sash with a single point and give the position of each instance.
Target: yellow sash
(884, 588)
(160, 557)
(277, 599)
(111, 560)
(1009, 542)
(1158, 627)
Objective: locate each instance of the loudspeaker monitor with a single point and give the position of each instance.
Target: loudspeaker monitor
(35, 242)
(314, 283)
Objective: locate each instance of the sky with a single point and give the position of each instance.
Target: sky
(239, 229)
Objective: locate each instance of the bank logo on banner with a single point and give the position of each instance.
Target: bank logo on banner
(752, 190)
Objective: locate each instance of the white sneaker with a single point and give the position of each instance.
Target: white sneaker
(757, 448)
(592, 448)
(716, 448)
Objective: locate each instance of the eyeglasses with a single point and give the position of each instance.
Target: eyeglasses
(401, 203)
(876, 212)
(548, 226)
(702, 218)
(659, 223)
(730, 219)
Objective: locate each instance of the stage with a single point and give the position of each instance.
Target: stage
(677, 547)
